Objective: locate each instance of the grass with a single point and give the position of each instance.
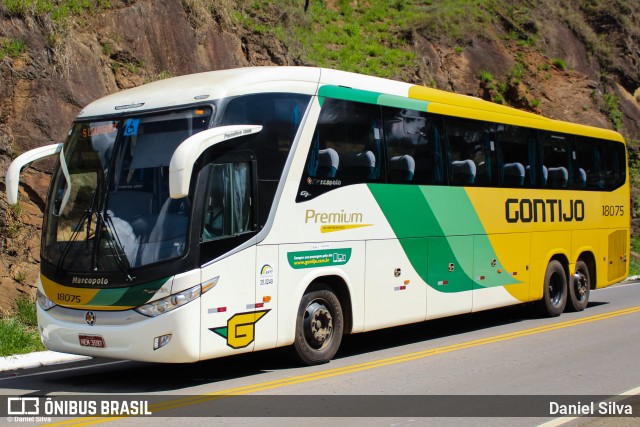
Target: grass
(634, 264)
(373, 37)
(560, 64)
(12, 48)
(486, 76)
(56, 18)
(19, 330)
(56, 10)
(612, 110)
(456, 20)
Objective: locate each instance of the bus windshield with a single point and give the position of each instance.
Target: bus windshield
(109, 207)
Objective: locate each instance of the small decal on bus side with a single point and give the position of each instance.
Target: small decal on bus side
(266, 275)
(612, 210)
(321, 258)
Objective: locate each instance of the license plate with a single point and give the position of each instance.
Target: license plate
(91, 341)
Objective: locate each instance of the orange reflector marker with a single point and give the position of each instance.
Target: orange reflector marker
(209, 284)
(266, 298)
(406, 282)
(199, 112)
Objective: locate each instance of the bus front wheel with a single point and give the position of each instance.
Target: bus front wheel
(319, 326)
(554, 297)
(580, 287)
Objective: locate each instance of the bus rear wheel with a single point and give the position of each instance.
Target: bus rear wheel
(580, 287)
(554, 298)
(319, 326)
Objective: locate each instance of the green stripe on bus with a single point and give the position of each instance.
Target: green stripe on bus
(402, 102)
(107, 297)
(348, 94)
(368, 97)
(128, 297)
(446, 220)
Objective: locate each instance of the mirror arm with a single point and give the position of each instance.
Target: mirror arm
(13, 173)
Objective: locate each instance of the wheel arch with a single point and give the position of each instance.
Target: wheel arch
(589, 258)
(341, 290)
(562, 259)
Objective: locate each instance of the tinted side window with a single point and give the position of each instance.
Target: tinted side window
(346, 148)
(414, 151)
(519, 164)
(614, 164)
(588, 167)
(280, 115)
(470, 152)
(228, 210)
(555, 159)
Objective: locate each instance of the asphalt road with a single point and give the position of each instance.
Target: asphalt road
(492, 368)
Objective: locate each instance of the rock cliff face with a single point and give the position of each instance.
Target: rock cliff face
(56, 69)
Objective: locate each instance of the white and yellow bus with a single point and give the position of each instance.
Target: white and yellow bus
(240, 210)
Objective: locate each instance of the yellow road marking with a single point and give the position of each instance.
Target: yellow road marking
(268, 385)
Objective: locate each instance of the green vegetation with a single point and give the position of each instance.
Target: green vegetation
(560, 64)
(56, 10)
(12, 48)
(373, 37)
(486, 76)
(55, 17)
(457, 20)
(19, 330)
(612, 109)
(165, 74)
(634, 264)
(12, 225)
(516, 73)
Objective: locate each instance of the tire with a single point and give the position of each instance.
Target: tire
(554, 298)
(580, 288)
(319, 326)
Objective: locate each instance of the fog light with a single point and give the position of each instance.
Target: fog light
(161, 341)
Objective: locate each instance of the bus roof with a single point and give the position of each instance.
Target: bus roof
(194, 88)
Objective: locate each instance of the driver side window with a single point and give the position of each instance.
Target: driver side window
(228, 202)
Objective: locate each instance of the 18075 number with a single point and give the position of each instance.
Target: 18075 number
(68, 297)
(612, 210)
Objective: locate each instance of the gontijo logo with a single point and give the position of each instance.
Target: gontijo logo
(543, 210)
(335, 221)
(241, 328)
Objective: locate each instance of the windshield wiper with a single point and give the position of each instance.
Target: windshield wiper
(76, 231)
(115, 245)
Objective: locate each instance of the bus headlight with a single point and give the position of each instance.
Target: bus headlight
(169, 303)
(44, 302)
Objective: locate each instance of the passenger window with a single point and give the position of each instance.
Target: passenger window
(346, 148)
(413, 146)
(588, 168)
(518, 157)
(614, 164)
(470, 152)
(555, 158)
